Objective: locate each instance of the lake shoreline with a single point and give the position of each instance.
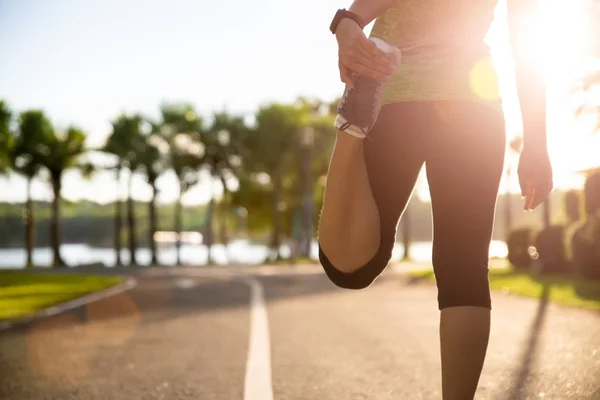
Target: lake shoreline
(237, 252)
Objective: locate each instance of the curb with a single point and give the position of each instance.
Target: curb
(71, 304)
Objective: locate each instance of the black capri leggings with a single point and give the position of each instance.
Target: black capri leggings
(462, 145)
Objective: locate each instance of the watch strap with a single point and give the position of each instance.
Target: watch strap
(343, 13)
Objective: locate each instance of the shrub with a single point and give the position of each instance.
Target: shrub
(591, 193)
(572, 206)
(585, 242)
(551, 249)
(518, 242)
(586, 248)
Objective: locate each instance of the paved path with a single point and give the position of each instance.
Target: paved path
(248, 334)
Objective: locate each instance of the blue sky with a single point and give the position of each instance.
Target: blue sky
(84, 61)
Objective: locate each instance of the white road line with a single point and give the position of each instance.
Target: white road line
(185, 283)
(257, 384)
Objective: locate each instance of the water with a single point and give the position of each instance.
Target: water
(237, 252)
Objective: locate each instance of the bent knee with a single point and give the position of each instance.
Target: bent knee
(352, 280)
(356, 278)
(350, 255)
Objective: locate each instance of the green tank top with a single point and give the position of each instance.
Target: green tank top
(444, 55)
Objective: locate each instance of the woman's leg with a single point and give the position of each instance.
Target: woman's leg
(368, 186)
(464, 166)
(349, 226)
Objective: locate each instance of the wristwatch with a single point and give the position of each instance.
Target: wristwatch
(343, 13)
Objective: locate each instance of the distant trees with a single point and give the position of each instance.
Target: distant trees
(272, 165)
(33, 144)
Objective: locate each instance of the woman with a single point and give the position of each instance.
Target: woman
(435, 114)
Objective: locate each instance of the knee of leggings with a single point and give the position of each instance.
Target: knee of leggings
(463, 286)
(359, 279)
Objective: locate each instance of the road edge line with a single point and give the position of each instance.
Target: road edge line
(69, 305)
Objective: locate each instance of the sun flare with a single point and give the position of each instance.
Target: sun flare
(563, 36)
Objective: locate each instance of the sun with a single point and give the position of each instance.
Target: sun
(561, 36)
(561, 33)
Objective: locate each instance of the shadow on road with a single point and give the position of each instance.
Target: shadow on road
(209, 295)
(162, 296)
(50, 354)
(519, 389)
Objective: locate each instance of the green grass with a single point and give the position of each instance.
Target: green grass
(299, 261)
(24, 293)
(563, 290)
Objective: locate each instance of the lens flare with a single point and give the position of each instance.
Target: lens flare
(484, 81)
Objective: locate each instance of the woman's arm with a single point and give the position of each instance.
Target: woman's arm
(535, 169)
(368, 10)
(528, 72)
(357, 53)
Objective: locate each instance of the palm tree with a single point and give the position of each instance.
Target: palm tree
(316, 142)
(270, 150)
(253, 196)
(222, 149)
(116, 145)
(225, 208)
(150, 155)
(180, 127)
(60, 151)
(121, 143)
(6, 138)
(133, 167)
(26, 158)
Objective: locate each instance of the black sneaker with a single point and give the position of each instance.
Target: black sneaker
(359, 108)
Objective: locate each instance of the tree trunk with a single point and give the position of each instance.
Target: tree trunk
(29, 225)
(406, 233)
(208, 236)
(131, 223)
(307, 204)
(507, 208)
(224, 233)
(152, 214)
(276, 238)
(55, 220)
(178, 226)
(118, 223)
(223, 230)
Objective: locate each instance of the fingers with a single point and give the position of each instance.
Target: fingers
(363, 66)
(371, 51)
(536, 193)
(541, 194)
(380, 63)
(346, 76)
(535, 178)
(528, 193)
(365, 58)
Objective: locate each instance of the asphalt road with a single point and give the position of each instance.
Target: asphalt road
(252, 334)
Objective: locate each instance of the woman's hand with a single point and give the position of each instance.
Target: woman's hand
(535, 176)
(360, 55)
